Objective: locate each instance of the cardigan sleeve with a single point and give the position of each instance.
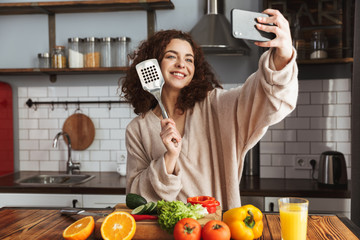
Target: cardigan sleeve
(265, 99)
(145, 176)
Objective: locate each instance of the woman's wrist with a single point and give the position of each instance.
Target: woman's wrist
(280, 60)
(170, 162)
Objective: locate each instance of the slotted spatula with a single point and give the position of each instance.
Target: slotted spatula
(152, 81)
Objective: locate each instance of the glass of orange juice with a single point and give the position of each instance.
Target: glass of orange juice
(293, 218)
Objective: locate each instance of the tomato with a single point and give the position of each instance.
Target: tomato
(216, 230)
(187, 229)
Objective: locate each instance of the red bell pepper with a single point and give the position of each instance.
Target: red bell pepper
(208, 202)
(144, 217)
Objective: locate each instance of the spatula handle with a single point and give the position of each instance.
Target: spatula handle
(165, 115)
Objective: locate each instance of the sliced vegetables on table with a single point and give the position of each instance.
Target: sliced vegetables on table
(148, 208)
(187, 229)
(210, 203)
(245, 222)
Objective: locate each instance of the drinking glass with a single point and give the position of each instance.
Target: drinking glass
(293, 218)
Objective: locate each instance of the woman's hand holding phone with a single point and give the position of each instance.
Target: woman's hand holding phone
(282, 42)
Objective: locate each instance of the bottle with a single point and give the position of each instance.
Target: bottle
(318, 45)
(44, 60)
(91, 52)
(75, 53)
(58, 58)
(105, 52)
(121, 51)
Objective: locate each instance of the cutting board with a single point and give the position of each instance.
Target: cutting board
(81, 131)
(150, 229)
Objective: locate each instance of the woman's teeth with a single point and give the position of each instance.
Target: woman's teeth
(179, 74)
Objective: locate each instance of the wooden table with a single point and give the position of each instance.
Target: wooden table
(31, 223)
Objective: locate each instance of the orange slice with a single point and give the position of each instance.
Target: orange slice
(118, 225)
(80, 230)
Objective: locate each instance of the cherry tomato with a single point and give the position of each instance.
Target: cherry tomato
(216, 230)
(187, 229)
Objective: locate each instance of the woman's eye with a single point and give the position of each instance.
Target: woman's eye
(170, 56)
(189, 60)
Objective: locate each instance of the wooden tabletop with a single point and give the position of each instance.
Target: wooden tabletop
(31, 223)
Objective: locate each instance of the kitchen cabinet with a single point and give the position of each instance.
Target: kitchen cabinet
(257, 201)
(54, 7)
(39, 200)
(60, 200)
(102, 201)
(316, 205)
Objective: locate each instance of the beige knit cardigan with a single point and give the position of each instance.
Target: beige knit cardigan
(218, 133)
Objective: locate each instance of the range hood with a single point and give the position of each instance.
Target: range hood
(213, 33)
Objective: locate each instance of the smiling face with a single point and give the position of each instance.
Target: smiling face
(177, 65)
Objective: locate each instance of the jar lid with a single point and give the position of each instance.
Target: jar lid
(123, 39)
(75, 39)
(91, 39)
(106, 39)
(43, 55)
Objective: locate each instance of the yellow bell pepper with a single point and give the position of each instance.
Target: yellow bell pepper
(245, 222)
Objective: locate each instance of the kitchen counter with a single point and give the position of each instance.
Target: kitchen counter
(102, 183)
(113, 183)
(32, 223)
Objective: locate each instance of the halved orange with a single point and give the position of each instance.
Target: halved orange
(80, 230)
(118, 225)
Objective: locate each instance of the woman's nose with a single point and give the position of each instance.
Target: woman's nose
(180, 63)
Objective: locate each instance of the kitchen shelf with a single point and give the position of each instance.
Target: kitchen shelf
(326, 61)
(61, 71)
(53, 7)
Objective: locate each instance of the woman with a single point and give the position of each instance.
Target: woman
(213, 128)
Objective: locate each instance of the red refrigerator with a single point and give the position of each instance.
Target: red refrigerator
(6, 130)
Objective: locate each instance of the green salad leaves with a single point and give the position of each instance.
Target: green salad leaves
(171, 212)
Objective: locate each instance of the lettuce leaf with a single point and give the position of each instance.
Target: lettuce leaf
(169, 213)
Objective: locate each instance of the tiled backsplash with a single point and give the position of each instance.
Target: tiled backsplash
(320, 122)
(37, 128)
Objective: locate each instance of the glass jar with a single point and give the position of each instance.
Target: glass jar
(318, 45)
(105, 52)
(58, 57)
(121, 51)
(75, 53)
(44, 60)
(91, 52)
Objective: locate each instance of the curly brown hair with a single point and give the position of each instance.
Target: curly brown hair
(203, 81)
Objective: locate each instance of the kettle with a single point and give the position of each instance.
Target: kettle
(332, 169)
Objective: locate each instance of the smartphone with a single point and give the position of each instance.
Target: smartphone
(243, 24)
